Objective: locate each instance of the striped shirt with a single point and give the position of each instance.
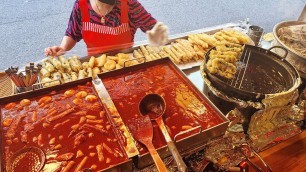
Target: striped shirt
(138, 18)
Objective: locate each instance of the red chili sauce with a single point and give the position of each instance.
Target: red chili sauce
(68, 138)
(127, 90)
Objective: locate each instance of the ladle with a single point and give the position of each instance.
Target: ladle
(154, 105)
(29, 159)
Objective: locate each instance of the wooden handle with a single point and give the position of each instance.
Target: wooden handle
(158, 161)
(177, 157)
(175, 153)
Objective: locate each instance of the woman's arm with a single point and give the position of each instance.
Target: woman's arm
(73, 33)
(140, 17)
(67, 43)
(157, 32)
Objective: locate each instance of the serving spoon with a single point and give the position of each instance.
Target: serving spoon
(154, 106)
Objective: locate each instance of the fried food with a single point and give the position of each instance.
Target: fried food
(91, 62)
(195, 39)
(109, 65)
(210, 40)
(85, 65)
(96, 71)
(48, 66)
(123, 58)
(226, 37)
(228, 56)
(144, 50)
(82, 74)
(173, 56)
(56, 63)
(221, 67)
(89, 72)
(115, 58)
(243, 39)
(100, 61)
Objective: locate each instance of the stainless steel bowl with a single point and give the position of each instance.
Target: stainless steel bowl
(295, 58)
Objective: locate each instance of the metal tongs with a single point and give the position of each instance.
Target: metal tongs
(256, 167)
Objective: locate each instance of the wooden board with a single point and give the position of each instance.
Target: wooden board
(286, 156)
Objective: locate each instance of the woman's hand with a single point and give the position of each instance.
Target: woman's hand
(54, 51)
(66, 45)
(158, 35)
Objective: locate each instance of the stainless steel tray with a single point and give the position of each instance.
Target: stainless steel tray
(184, 144)
(122, 166)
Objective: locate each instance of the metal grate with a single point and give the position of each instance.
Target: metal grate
(243, 64)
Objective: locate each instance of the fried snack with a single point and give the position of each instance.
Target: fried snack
(188, 56)
(179, 51)
(179, 55)
(243, 39)
(89, 72)
(66, 77)
(144, 50)
(153, 57)
(187, 45)
(118, 66)
(199, 51)
(73, 64)
(219, 38)
(65, 64)
(100, 61)
(85, 65)
(172, 56)
(82, 74)
(74, 76)
(163, 54)
(115, 58)
(227, 38)
(56, 63)
(77, 62)
(104, 70)
(151, 49)
(148, 57)
(44, 73)
(48, 66)
(96, 71)
(123, 58)
(228, 44)
(56, 76)
(228, 58)
(224, 48)
(139, 56)
(48, 82)
(110, 64)
(221, 67)
(91, 62)
(136, 54)
(157, 55)
(210, 40)
(194, 38)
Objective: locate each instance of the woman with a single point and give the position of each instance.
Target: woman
(107, 25)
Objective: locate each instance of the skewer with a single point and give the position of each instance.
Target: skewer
(24, 79)
(28, 76)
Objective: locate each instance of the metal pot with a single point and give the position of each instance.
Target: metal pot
(260, 72)
(295, 58)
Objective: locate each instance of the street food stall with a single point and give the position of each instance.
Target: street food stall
(208, 100)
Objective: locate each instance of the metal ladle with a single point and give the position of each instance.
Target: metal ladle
(154, 105)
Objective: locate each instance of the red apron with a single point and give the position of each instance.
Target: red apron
(100, 38)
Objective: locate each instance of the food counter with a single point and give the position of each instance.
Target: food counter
(66, 122)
